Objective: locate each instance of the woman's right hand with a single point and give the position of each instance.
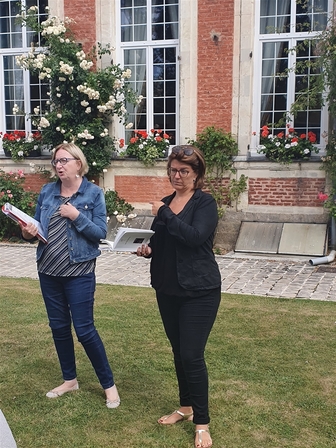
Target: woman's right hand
(143, 251)
(29, 230)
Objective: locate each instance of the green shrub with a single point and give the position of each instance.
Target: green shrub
(219, 148)
(116, 205)
(12, 190)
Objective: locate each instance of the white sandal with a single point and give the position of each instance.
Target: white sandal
(199, 443)
(184, 417)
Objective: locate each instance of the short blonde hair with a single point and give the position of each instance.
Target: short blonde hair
(76, 152)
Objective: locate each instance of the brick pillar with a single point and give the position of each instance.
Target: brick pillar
(215, 63)
(84, 15)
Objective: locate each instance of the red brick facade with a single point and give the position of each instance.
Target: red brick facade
(142, 188)
(34, 182)
(215, 63)
(214, 107)
(84, 15)
(299, 191)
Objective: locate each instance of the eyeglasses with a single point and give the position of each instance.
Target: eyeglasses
(62, 161)
(187, 150)
(173, 171)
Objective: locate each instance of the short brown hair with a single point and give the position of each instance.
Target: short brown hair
(76, 152)
(191, 156)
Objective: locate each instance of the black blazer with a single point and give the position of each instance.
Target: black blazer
(194, 230)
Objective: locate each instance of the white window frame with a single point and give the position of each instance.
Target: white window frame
(149, 45)
(292, 37)
(15, 51)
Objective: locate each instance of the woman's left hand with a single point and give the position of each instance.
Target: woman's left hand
(68, 211)
(155, 206)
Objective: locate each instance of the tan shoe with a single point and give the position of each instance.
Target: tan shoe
(56, 394)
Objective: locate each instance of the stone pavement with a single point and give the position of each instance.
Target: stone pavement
(285, 277)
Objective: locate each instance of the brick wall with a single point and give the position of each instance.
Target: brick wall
(215, 63)
(142, 188)
(34, 182)
(285, 191)
(84, 15)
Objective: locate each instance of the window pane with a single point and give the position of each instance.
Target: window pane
(158, 72)
(159, 122)
(140, 32)
(274, 16)
(158, 55)
(267, 7)
(159, 105)
(140, 15)
(171, 31)
(158, 89)
(170, 122)
(126, 17)
(157, 32)
(126, 34)
(170, 105)
(157, 14)
(171, 88)
(170, 71)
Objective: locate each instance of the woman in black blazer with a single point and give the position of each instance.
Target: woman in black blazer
(186, 278)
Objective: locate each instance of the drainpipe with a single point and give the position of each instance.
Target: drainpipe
(331, 257)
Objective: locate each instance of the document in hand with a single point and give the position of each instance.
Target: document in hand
(18, 215)
(128, 239)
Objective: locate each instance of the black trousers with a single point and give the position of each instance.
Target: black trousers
(188, 322)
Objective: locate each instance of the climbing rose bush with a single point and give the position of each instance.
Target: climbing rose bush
(82, 99)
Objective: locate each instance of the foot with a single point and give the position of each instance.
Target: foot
(112, 397)
(202, 438)
(67, 386)
(184, 413)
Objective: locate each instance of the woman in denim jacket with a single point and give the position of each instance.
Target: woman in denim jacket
(72, 213)
(186, 278)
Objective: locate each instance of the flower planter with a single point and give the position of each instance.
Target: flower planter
(34, 153)
(7, 153)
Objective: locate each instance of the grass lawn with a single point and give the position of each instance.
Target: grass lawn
(271, 365)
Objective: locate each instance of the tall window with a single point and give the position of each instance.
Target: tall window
(284, 29)
(149, 41)
(17, 85)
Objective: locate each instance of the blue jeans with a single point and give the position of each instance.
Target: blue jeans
(71, 299)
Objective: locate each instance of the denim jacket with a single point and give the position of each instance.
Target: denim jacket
(85, 232)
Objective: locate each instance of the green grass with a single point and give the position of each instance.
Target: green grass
(271, 365)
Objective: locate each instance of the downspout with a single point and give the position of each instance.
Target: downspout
(331, 257)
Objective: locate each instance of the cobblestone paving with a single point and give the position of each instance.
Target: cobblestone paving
(285, 278)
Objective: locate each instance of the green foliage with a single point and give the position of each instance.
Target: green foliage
(12, 191)
(116, 205)
(83, 97)
(219, 148)
(148, 147)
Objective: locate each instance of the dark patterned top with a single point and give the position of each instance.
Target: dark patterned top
(55, 260)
